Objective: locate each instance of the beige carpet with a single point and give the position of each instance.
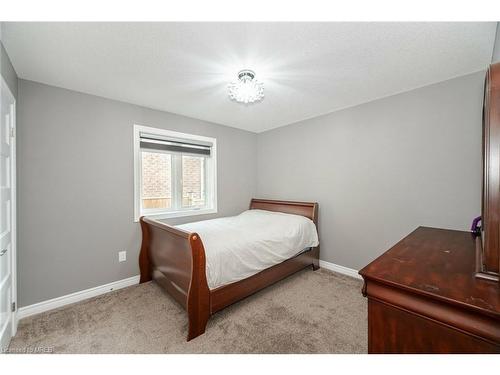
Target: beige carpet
(309, 312)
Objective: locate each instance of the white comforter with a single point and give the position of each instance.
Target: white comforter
(240, 246)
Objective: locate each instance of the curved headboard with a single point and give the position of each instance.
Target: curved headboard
(307, 209)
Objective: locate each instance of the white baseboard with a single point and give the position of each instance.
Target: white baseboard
(340, 269)
(54, 303)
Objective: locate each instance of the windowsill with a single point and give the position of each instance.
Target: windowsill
(174, 214)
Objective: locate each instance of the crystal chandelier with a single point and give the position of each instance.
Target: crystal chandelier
(246, 89)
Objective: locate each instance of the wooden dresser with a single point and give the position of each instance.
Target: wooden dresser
(424, 297)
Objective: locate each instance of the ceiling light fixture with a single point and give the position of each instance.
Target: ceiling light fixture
(246, 89)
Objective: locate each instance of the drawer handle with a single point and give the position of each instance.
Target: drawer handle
(3, 252)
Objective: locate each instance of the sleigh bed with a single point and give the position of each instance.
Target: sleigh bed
(175, 259)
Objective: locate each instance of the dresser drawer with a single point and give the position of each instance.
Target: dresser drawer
(392, 330)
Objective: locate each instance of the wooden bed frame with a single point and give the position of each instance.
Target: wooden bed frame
(175, 259)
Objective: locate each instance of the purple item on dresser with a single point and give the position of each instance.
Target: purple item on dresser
(476, 227)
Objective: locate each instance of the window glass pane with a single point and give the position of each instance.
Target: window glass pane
(193, 181)
(156, 180)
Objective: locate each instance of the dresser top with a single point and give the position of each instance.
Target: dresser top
(440, 264)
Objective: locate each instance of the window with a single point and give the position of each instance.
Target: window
(175, 173)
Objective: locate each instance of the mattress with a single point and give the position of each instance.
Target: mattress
(240, 246)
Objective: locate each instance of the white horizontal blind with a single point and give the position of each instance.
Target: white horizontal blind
(171, 144)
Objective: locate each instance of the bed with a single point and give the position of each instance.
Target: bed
(258, 248)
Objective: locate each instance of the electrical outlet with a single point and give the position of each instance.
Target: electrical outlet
(122, 256)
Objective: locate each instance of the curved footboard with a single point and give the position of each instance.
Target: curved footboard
(175, 259)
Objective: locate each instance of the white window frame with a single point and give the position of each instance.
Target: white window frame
(211, 168)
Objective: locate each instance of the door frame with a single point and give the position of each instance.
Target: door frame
(13, 258)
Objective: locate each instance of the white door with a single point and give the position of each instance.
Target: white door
(7, 212)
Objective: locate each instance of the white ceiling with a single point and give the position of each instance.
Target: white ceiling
(308, 68)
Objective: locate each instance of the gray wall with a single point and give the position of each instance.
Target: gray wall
(496, 48)
(7, 71)
(75, 186)
(381, 169)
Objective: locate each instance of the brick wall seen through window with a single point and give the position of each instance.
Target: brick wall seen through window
(157, 180)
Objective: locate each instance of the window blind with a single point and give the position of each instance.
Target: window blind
(170, 144)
